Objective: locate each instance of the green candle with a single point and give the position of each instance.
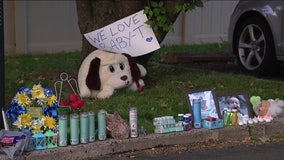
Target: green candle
(92, 134)
(62, 130)
(84, 127)
(102, 125)
(74, 127)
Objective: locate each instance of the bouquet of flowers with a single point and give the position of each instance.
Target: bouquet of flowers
(26, 98)
(75, 102)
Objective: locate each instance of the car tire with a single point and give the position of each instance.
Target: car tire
(254, 47)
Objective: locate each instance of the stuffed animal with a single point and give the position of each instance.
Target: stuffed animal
(269, 107)
(102, 72)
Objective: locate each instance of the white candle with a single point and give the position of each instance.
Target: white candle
(6, 126)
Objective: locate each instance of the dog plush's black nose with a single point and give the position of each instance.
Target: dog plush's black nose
(124, 78)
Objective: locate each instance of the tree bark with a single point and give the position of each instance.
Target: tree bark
(85, 23)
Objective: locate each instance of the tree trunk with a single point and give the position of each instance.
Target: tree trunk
(86, 23)
(95, 14)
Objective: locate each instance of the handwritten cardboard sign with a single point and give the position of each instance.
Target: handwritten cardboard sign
(129, 35)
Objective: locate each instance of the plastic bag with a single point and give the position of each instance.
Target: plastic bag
(20, 146)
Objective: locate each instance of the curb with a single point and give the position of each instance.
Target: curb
(111, 146)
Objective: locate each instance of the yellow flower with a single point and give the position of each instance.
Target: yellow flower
(37, 92)
(50, 100)
(23, 99)
(18, 123)
(49, 122)
(24, 120)
(36, 128)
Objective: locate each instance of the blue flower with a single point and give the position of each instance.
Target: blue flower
(51, 111)
(14, 111)
(48, 91)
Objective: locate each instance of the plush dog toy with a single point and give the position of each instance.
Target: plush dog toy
(102, 72)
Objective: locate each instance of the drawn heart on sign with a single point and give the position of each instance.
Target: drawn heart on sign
(149, 39)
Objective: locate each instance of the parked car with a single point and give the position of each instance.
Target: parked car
(256, 35)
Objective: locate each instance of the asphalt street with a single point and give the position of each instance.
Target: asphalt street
(215, 61)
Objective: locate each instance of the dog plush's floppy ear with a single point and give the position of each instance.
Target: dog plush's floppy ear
(93, 78)
(135, 72)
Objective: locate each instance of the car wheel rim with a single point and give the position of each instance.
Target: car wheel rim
(252, 46)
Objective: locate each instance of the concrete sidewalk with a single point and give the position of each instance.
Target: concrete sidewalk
(110, 146)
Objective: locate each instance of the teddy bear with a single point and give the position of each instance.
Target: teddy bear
(103, 72)
(269, 107)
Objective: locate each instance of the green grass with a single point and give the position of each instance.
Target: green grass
(190, 48)
(165, 95)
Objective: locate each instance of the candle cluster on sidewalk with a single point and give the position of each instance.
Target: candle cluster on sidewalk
(82, 128)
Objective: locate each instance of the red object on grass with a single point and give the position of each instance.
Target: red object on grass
(75, 102)
(64, 102)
